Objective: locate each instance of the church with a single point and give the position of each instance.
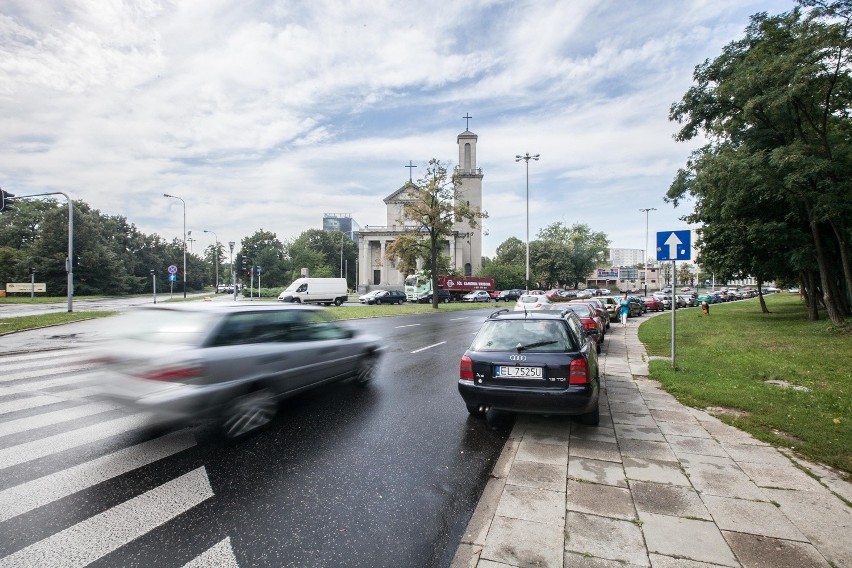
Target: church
(463, 246)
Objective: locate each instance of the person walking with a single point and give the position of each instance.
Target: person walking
(625, 309)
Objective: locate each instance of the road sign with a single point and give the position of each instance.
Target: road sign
(172, 277)
(172, 269)
(674, 245)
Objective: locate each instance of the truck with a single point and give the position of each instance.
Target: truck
(325, 291)
(418, 286)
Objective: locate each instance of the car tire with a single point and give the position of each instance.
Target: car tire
(366, 370)
(297, 300)
(378, 302)
(248, 413)
(474, 410)
(446, 300)
(338, 302)
(399, 302)
(592, 418)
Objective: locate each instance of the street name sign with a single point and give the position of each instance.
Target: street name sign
(22, 287)
(674, 245)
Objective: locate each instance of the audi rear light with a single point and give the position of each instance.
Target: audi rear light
(466, 369)
(173, 374)
(578, 372)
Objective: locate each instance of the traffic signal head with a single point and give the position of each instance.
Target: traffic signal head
(6, 199)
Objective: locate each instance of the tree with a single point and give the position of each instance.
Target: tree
(434, 208)
(262, 248)
(781, 98)
(320, 252)
(567, 255)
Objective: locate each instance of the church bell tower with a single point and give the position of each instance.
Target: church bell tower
(469, 248)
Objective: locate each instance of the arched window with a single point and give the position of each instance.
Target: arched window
(467, 165)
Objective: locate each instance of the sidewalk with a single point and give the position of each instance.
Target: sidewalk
(655, 484)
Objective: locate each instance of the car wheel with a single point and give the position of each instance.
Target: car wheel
(592, 418)
(248, 412)
(399, 302)
(378, 302)
(338, 302)
(446, 300)
(297, 300)
(475, 410)
(366, 370)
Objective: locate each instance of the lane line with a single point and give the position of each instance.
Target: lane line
(97, 536)
(27, 403)
(409, 325)
(33, 494)
(428, 347)
(22, 453)
(52, 418)
(220, 555)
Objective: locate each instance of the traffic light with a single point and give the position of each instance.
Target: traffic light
(6, 199)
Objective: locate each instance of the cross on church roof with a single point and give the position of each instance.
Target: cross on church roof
(467, 118)
(410, 167)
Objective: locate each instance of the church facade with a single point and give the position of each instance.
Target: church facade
(463, 247)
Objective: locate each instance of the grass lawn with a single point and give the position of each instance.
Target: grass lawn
(725, 359)
(21, 323)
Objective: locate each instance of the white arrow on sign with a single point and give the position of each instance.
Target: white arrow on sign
(672, 242)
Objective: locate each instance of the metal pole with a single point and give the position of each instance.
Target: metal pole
(32, 284)
(184, 238)
(674, 311)
(233, 276)
(645, 252)
(526, 157)
(216, 238)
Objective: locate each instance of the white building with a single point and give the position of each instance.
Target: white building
(626, 257)
(463, 247)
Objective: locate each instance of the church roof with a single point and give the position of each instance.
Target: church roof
(401, 194)
(467, 134)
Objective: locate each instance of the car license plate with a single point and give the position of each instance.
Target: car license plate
(507, 372)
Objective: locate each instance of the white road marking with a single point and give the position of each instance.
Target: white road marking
(220, 555)
(40, 355)
(27, 403)
(409, 325)
(51, 418)
(457, 319)
(39, 492)
(428, 347)
(97, 536)
(29, 451)
(35, 374)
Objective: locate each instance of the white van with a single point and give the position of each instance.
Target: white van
(316, 291)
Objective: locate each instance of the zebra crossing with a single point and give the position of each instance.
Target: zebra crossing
(50, 427)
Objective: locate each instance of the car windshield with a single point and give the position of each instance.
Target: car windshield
(582, 310)
(163, 326)
(538, 336)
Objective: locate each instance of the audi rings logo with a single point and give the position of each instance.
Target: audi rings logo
(517, 357)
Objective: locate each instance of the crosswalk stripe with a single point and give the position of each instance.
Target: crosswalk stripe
(7, 377)
(97, 536)
(39, 364)
(27, 496)
(51, 418)
(45, 355)
(27, 403)
(29, 451)
(220, 555)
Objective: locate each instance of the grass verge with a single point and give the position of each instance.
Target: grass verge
(725, 359)
(22, 323)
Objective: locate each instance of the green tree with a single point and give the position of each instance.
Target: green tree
(320, 252)
(567, 255)
(262, 248)
(434, 209)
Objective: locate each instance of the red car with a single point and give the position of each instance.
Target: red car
(591, 321)
(652, 303)
(599, 307)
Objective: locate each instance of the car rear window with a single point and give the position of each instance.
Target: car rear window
(163, 326)
(582, 310)
(539, 336)
(529, 299)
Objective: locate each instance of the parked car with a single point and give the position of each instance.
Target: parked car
(532, 302)
(636, 301)
(476, 296)
(509, 295)
(536, 362)
(230, 363)
(600, 310)
(612, 306)
(369, 296)
(493, 294)
(444, 297)
(652, 303)
(388, 297)
(686, 301)
(592, 323)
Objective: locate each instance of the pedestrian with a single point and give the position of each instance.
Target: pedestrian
(625, 309)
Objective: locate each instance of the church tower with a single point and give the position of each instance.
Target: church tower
(469, 240)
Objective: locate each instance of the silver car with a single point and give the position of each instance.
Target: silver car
(233, 363)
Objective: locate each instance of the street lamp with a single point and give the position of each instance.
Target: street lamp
(645, 252)
(526, 157)
(217, 257)
(233, 276)
(184, 239)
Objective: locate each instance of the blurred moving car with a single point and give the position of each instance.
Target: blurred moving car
(232, 363)
(532, 302)
(509, 295)
(477, 296)
(533, 362)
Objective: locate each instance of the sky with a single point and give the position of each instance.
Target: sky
(267, 114)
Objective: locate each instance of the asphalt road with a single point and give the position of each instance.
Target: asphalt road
(382, 475)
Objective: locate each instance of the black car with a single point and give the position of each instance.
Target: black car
(388, 297)
(443, 297)
(509, 295)
(533, 362)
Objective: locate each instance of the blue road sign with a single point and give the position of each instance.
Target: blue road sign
(674, 245)
(172, 277)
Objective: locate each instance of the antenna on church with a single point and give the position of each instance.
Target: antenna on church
(410, 167)
(467, 118)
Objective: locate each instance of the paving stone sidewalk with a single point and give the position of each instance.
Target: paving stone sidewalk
(655, 484)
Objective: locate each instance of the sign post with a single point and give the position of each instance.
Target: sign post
(674, 246)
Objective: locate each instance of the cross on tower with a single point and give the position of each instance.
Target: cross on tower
(410, 167)
(467, 118)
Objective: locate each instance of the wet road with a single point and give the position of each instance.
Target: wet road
(386, 475)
